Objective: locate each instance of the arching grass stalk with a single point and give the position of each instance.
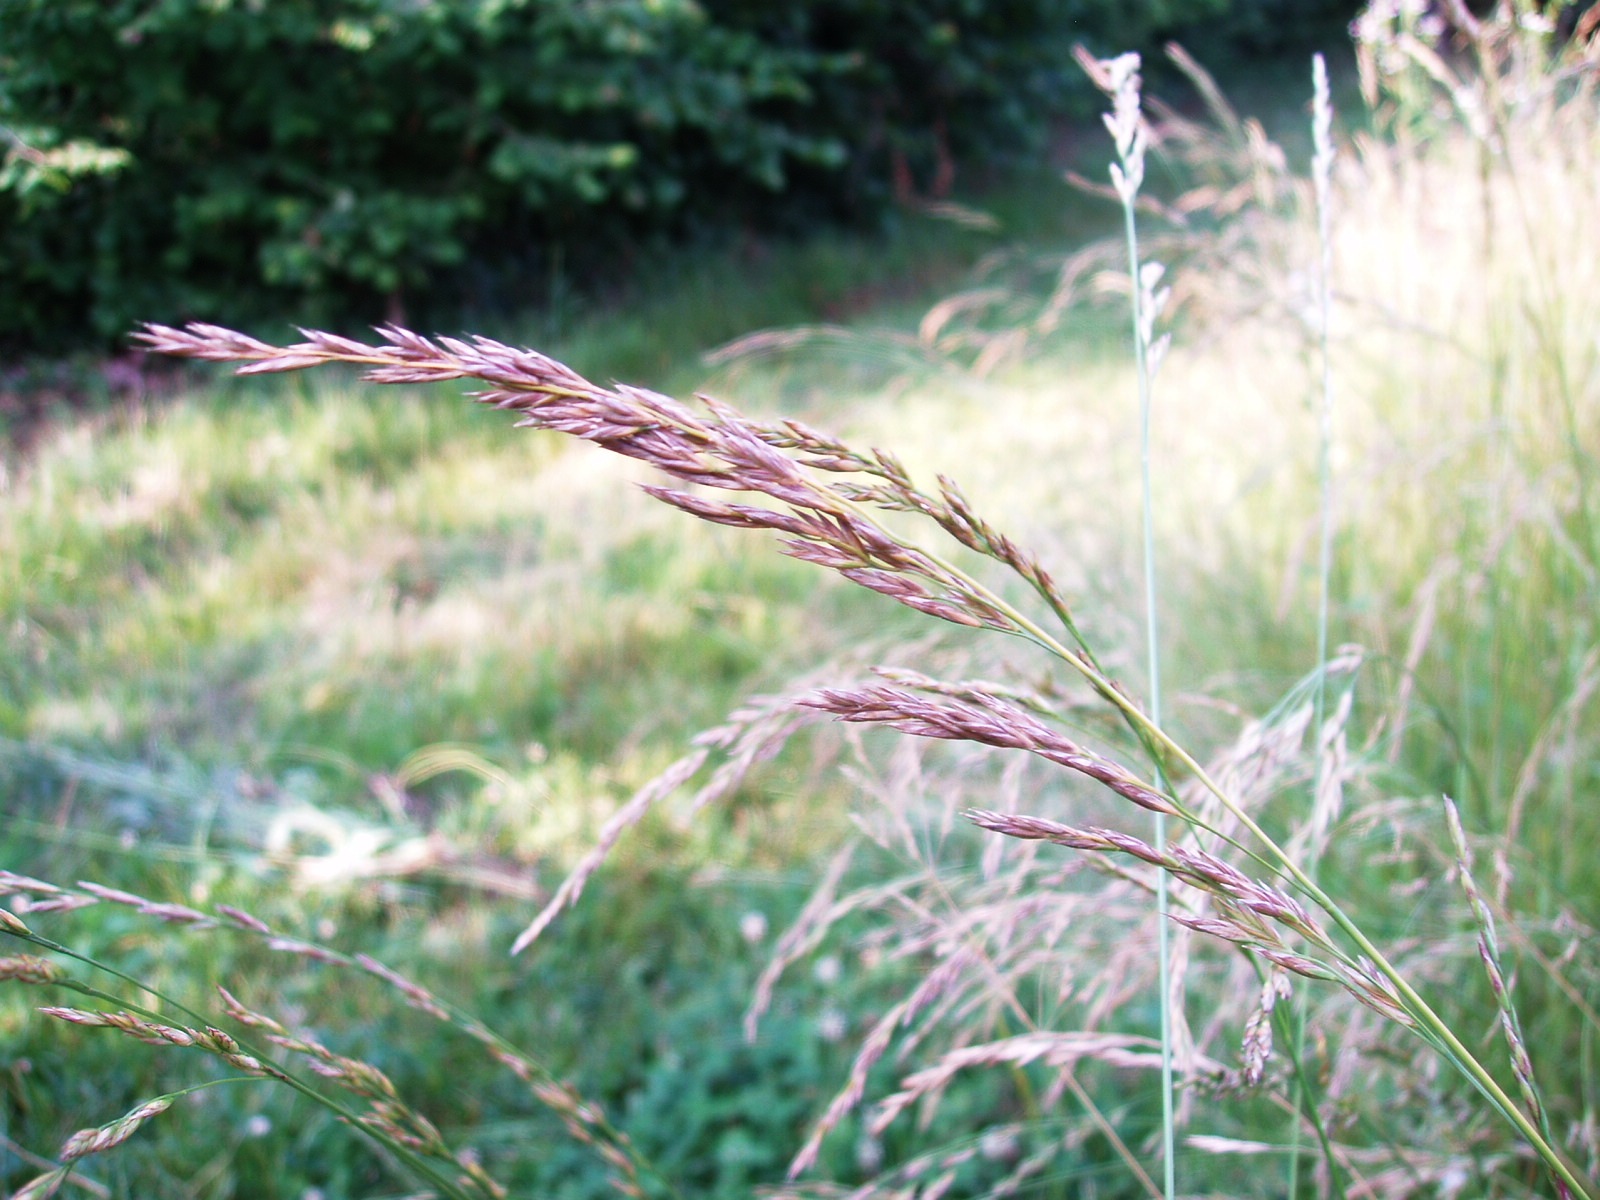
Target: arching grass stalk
(1499, 983)
(1415, 1010)
(1120, 76)
(112, 1133)
(787, 467)
(148, 1025)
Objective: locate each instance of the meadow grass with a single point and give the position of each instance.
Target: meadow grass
(264, 627)
(401, 596)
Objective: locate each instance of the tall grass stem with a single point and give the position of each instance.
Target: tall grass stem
(1322, 188)
(1127, 126)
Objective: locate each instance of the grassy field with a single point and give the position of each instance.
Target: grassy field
(376, 668)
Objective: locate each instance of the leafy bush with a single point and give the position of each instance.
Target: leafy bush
(359, 150)
(233, 160)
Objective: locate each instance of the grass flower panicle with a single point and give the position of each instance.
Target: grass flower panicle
(30, 968)
(404, 1131)
(826, 523)
(93, 1141)
(212, 1040)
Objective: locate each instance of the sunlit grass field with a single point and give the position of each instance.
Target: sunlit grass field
(372, 665)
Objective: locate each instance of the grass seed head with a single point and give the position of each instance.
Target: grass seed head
(104, 1137)
(28, 968)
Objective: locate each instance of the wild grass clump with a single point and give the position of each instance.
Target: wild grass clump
(1333, 980)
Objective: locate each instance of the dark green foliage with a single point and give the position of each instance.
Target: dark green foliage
(346, 153)
(1251, 28)
(235, 160)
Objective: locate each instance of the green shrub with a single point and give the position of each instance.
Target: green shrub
(234, 160)
(350, 152)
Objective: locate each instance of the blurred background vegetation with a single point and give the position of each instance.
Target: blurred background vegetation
(358, 159)
(369, 665)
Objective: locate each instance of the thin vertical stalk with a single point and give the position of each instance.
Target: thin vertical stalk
(1128, 130)
(1153, 656)
(1322, 186)
(1322, 182)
